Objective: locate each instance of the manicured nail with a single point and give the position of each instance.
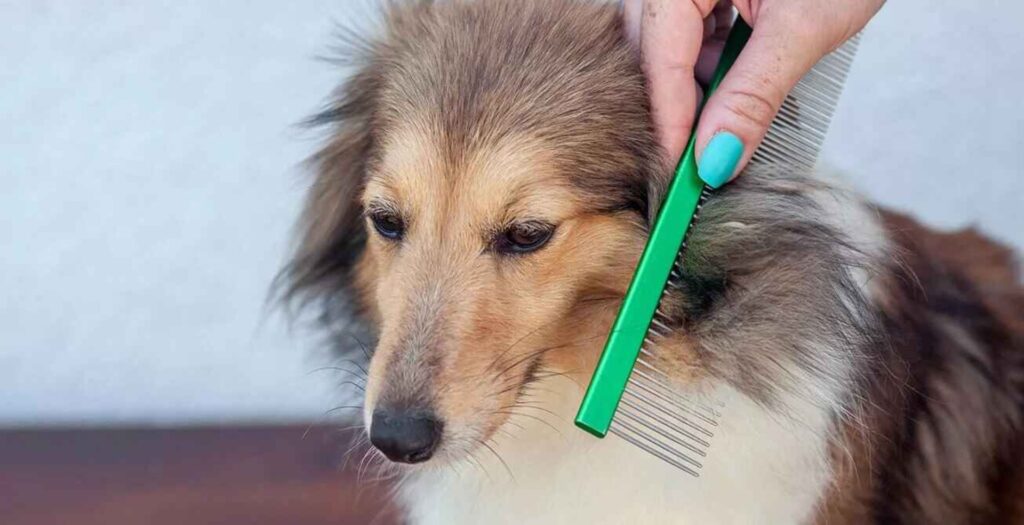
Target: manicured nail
(720, 158)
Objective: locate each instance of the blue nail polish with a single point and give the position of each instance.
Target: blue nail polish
(720, 158)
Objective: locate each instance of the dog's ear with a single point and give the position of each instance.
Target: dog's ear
(773, 274)
(330, 230)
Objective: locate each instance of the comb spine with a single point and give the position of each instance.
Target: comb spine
(668, 234)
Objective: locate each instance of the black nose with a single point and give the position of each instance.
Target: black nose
(407, 437)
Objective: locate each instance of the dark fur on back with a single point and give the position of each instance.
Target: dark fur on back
(946, 388)
(929, 374)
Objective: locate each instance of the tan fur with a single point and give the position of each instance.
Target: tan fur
(483, 308)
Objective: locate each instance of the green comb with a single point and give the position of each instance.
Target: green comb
(628, 396)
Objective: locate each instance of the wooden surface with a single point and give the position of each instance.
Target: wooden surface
(256, 475)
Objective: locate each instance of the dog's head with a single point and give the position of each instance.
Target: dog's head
(484, 197)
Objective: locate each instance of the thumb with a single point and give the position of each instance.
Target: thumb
(736, 118)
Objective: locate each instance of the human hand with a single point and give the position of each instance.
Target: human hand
(680, 42)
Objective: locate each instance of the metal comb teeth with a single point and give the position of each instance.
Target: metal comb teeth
(653, 414)
(796, 135)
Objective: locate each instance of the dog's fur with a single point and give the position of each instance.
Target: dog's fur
(870, 370)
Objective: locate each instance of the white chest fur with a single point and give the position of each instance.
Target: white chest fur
(762, 468)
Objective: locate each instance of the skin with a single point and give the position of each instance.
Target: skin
(680, 41)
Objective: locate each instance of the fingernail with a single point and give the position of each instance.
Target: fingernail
(720, 158)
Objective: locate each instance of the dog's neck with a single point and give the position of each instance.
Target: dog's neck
(763, 466)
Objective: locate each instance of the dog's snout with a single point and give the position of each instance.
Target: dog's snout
(406, 437)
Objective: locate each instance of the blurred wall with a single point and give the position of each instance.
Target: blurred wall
(149, 175)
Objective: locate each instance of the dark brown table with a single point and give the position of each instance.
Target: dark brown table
(251, 475)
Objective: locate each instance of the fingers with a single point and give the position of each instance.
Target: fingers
(716, 31)
(788, 39)
(671, 33)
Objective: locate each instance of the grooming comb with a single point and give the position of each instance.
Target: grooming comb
(628, 395)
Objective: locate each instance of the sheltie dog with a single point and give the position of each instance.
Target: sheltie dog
(486, 190)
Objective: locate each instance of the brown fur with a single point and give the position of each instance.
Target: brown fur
(467, 117)
(943, 442)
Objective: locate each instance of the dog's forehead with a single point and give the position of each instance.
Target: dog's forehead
(514, 174)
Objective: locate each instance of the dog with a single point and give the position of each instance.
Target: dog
(485, 192)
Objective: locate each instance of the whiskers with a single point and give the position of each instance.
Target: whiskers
(373, 460)
(527, 376)
(354, 376)
(524, 392)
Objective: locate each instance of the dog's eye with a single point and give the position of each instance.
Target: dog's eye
(523, 237)
(388, 225)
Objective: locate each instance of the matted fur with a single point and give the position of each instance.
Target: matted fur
(841, 331)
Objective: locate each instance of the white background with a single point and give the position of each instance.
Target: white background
(150, 173)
